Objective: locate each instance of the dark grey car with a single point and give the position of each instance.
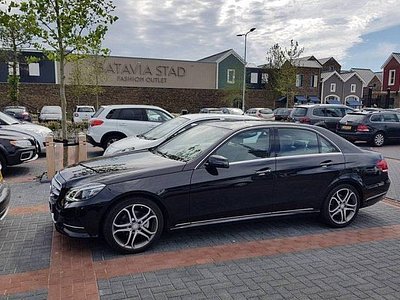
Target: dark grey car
(322, 115)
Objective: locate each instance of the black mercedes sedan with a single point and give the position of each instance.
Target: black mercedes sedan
(215, 173)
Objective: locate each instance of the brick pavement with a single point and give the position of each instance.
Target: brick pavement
(280, 258)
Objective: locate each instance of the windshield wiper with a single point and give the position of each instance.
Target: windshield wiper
(167, 155)
(94, 170)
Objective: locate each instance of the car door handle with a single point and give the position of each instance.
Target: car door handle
(326, 163)
(263, 172)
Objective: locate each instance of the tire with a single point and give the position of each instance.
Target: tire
(379, 139)
(341, 206)
(133, 225)
(109, 139)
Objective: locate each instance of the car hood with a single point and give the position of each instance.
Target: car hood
(129, 144)
(122, 167)
(31, 128)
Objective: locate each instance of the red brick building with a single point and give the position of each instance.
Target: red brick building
(391, 73)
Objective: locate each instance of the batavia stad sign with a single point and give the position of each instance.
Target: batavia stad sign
(157, 73)
(143, 72)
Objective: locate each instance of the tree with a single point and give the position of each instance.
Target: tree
(13, 37)
(66, 27)
(281, 63)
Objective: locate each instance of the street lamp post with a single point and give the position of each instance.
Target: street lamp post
(245, 63)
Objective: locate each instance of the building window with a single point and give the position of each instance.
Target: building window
(353, 88)
(10, 69)
(231, 76)
(254, 78)
(314, 81)
(34, 69)
(333, 87)
(299, 80)
(264, 78)
(392, 76)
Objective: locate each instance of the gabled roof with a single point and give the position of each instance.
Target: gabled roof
(217, 58)
(323, 61)
(326, 75)
(307, 62)
(379, 75)
(366, 74)
(347, 75)
(393, 55)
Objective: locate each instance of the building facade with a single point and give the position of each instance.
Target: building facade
(391, 73)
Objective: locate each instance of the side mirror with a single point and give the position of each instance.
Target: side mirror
(217, 161)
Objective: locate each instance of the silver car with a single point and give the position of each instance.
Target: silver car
(168, 130)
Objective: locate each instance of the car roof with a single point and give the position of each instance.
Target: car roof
(320, 105)
(131, 106)
(85, 106)
(200, 116)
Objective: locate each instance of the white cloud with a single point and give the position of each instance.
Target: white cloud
(192, 29)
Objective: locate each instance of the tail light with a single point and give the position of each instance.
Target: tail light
(96, 122)
(362, 128)
(382, 165)
(305, 120)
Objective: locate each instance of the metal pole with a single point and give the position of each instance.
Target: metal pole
(244, 72)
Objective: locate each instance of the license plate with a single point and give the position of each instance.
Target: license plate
(346, 127)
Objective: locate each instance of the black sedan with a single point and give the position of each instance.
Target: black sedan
(214, 173)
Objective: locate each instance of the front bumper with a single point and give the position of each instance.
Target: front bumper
(4, 200)
(22, 155)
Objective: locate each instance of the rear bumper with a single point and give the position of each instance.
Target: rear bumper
(356, 136)
(90, 140)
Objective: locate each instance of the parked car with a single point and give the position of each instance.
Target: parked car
(215, 173)
(282, 113)
(265, 113)
(4, 196)
(322, 115)
(50, 113)
(16, 148)
(232, 111)
(114, 122)
(83, 113)
(38, 132)
(19, 112)
(375, 127)
(211, 110)
(166, 131)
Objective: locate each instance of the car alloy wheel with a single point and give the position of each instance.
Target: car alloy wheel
(379, 139)
(341, 206)
(133, 225)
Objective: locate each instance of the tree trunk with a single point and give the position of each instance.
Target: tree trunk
(63, 110)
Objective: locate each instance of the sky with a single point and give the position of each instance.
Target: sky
(358, 33)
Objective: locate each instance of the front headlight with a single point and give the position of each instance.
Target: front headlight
(84, 192)
(21, 143)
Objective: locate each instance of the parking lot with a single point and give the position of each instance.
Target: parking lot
(278, 258)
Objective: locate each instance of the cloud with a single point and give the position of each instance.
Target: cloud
(183, 29)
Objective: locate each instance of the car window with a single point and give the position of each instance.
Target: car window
(85, 109)
(299, 112)
(266, 111)
(98, 112)
(326, 146)
(390, 118)
(297, 142)
(333, 112)
(376, 118)
(154, 115)
(319, 111)
(192, 143)
(248, 145)
(131, 114)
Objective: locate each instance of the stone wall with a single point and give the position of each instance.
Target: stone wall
(34, 96)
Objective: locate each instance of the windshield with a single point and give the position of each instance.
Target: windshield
(192, 143)
(98, 112)
(7, 120)
(353, 118)
(299, 112)
(164, 129)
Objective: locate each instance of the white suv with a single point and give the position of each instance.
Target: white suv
(83, 113)
(114, 122)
